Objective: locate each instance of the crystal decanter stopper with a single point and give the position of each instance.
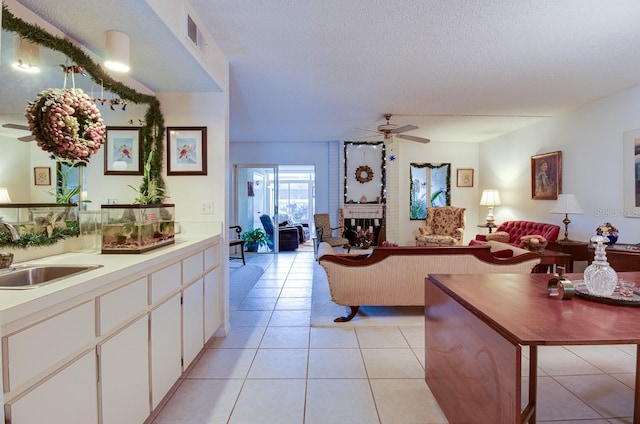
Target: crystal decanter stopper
(599, 277)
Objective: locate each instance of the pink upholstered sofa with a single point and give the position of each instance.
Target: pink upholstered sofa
(517, 229)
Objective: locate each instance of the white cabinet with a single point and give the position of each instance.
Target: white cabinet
(165, 348)
(212, 303)
(77, 403)
(192, 322)
(124, 375)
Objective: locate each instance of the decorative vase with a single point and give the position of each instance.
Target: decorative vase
(612, 240)
(599, 277)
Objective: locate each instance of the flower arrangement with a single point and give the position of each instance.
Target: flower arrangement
(364, 239)
(533, 242)
(389, 244)
(66, 123)
(607, 229)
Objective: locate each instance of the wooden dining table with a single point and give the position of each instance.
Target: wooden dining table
(476, 326)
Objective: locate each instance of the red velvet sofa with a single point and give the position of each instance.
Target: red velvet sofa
(517, 229)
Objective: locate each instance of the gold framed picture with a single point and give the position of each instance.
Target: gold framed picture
(464, 177)
(42, 175)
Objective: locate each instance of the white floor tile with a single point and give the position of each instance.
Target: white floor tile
(286, 318)
(340, 401)
(331, 337)
(285, 338)
(279, 363)
(270, 402)
(223, 363)
(390, 337)
(240, 338)
(392, 363)
(406, 401)
(336, 363)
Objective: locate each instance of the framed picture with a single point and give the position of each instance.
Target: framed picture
(122, 151)
(630, 176)
(546, 176)
(42, 175)
(186, 150)
(464, 177)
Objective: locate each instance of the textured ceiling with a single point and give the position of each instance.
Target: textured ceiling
(461, 70)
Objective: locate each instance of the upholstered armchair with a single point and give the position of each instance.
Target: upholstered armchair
(443, 227)
(324, 232)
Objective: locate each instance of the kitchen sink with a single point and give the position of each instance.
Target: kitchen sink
(33, 276)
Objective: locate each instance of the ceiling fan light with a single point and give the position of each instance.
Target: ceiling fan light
(117, 51)
(26, 55)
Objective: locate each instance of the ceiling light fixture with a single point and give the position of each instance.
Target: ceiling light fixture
(117, 51)
(26, 55)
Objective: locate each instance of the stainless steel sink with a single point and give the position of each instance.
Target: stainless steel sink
(32, 276)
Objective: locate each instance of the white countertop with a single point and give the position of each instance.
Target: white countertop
(17, 304)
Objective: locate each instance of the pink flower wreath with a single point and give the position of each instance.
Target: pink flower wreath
(66, 123)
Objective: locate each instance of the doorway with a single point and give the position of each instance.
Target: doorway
(282, 192)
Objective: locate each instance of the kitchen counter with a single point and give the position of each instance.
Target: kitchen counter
(17, 304)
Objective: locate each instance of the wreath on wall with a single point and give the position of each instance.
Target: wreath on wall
(66, 123)
(364, 174)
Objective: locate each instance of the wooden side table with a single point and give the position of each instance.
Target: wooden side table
(579, 250)
(487, 225)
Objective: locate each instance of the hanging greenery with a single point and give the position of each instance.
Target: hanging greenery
(153, 128)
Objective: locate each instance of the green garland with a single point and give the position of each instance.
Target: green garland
(153, 129)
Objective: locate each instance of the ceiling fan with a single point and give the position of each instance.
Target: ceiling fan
(25, 138)
(389, 130)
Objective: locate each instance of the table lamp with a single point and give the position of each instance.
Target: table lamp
(567, 204)
(4, 195)
(490, 198)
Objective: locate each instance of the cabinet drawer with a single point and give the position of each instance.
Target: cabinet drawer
(164, 282)
(37, 348)
(120, 305)
(192, 268)
(212, 257)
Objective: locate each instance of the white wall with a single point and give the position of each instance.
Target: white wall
(460, 155)
(286, 153)
(590, 139)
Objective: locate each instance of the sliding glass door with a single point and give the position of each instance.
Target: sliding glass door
(256, 197)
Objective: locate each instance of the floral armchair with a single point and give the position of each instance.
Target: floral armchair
(443, 227)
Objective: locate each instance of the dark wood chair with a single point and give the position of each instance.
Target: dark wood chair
(237, 241)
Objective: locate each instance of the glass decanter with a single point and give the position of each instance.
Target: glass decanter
(599, 277)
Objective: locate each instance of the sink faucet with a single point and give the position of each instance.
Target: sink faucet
(14, 233)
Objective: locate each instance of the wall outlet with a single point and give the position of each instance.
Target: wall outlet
(206, 208)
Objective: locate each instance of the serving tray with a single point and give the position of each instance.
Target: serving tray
(615, 299)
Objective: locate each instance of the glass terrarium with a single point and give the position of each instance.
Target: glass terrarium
(39, 223)
(137, 228)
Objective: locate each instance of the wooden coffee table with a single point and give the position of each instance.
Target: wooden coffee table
(477, 324)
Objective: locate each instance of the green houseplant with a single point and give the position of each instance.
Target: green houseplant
(255, 238)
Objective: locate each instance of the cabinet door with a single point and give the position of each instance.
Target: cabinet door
(192, 322)
(124, 375)
(165, 348)
(212, 308)
(69, 396)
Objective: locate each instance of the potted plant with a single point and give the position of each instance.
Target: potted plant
(255, 238)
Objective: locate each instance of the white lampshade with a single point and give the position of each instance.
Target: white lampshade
(26, 55)
(567, 203)
(4, 195)
(490, 198)
(117, 51)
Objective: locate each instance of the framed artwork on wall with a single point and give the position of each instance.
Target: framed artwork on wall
(186, 150)
(122, 151)
(464, 177)
(42, 175)
(546, 176)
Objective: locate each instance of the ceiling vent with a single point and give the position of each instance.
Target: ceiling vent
(193, 32)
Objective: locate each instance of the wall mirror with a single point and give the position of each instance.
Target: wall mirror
(430, 186)
(364, 172)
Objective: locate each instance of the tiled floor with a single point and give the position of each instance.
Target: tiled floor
(274, 368)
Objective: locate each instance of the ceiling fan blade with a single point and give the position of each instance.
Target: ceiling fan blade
(404, 129)
(27, 138)
(413, 138)
(16, 126)
(365, 129)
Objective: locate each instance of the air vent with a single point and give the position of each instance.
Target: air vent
(192, 30)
